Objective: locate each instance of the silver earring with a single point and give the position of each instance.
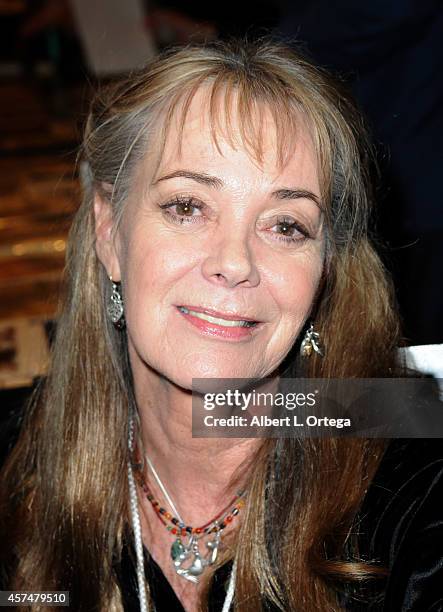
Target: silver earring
(311, 342)
(115, 306)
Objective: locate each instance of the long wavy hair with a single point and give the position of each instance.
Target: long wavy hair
(64, 493)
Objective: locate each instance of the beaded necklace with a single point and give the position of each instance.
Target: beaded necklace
(226, 515)
(188, 560)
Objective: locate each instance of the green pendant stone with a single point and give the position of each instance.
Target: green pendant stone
(177, 549)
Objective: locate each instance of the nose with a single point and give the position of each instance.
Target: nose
(230, 263)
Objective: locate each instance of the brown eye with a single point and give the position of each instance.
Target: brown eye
(289, 230)
(286, 227)
(183, 210)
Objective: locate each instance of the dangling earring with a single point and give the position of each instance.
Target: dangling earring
(311, 342)
(115, 306)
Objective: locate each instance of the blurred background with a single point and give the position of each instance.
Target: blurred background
(54, 52)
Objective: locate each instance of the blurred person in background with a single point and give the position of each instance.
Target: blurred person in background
(111, 31)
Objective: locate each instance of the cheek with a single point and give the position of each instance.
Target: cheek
(295, 282)
(151, 269)
(294, 286)
(293, 289)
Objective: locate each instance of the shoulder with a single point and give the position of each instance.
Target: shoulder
(402, 518)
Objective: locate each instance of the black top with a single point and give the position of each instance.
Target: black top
(161, 591)
(401, 526)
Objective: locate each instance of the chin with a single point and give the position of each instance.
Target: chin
(195, 378)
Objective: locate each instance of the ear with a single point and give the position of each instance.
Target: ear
(105, 237)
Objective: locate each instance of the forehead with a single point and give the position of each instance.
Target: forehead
(210, 129)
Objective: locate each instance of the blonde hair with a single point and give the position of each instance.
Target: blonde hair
(67, 473)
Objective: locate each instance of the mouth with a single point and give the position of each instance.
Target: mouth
(218, 318)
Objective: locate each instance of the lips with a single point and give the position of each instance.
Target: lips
(215, 324)
(218, 314)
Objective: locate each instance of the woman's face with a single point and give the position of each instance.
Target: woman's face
(210, 241)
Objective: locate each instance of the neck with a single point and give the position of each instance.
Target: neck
(200, 474)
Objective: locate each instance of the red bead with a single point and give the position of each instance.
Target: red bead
(174, 530)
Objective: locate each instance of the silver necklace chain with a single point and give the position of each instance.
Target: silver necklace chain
(136, 525)
(163, 490)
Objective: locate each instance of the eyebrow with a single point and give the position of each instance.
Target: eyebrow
(284, 193)
(295, 194)
(200, 177)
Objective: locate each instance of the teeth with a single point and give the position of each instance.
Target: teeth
(210, 319)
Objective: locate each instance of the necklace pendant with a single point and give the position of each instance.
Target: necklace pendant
(195, 570)
(213, 545)
(179, 552)
(182, 553)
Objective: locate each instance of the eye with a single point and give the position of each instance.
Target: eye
(181, 210)
(289, 230)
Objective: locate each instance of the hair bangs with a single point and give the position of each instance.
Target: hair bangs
(238, 111)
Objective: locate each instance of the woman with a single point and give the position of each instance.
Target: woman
(224, 224)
